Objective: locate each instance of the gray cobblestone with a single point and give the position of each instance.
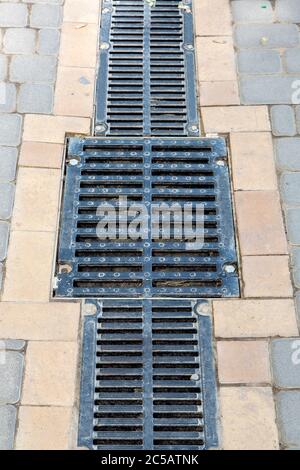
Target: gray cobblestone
(292, 59)
(4, 232)
(285, 357)
(288, 153)
(8, 418)
(298, 305)
(33, 68)
(288, 412)
(8, 162)
(298, 118)
(19, 41)
(259, 61)
(8, 98)
(45, 16)
(7, 191)
(283, 122)
(14, 344)
(290, 186)
(288, 10)
(250, 11)
(279, 35)
(296, 265)
(3, 66)
(293, 225)
(35, 98)
(11, 373)
(13, 14)
(10, 129)
(267, 89)
(48, 41)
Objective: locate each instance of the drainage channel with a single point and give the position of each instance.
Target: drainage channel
(148, 378)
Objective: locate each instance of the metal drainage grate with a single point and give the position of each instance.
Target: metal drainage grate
(148, 378)
(146, 80)
(148, 172)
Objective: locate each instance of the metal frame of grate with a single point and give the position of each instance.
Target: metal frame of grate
(148, 378)
(146, 80)
(153, 171)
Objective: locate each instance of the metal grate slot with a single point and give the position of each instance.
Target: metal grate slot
(146, 80)
(148, 378)
(158, 263)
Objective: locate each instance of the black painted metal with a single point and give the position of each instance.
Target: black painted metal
(153, 171)
(148, 379)
(146, 79)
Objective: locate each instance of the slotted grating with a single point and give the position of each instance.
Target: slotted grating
(148, 378)
(146, 80)
(148, 172)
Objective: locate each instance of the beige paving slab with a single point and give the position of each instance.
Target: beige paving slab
(74, 91)
(52, 129)
(215, 58)
(243, 362)
(44, 428)
(253, 165)
(29, 266)
(260, 223)
(41, 155)
(255, 318)
(50, 373)
(212, 18)
(54, 321)
(235, 119)
(266, 276)
(81, 10)
(37, 199)
(78, 46)
(218, 93)
(248, 418)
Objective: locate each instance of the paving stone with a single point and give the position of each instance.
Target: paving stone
(48, 41)
(285, 357)
(298, 118)
(33, 68)
(288, 10)
(290, 187)
(293, 225)
(259, 61)
(255, 318)
(8, 419)
(7, 98)
(248, 418)
(266, 89)
(283, 121)
(234, 366)
(19, 41)
(292, 60)
(212, 18)
(1, 275)
(3, 66)
(85, 53)
(14, 344)
(41, 155)
(52, 129)
(252, 11)
(44, 428)
(298, 305)
(288, 153)
(288, 415)
(266, 276)
(8, 162)
(7, 191)
(45, 16)
(235, 119)
(10, 129)
(221, 93)
(11, 373)
(295, 261)
(13, 14)
(217, 58)
(35, 98)
(278, 35)
(4, 232)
